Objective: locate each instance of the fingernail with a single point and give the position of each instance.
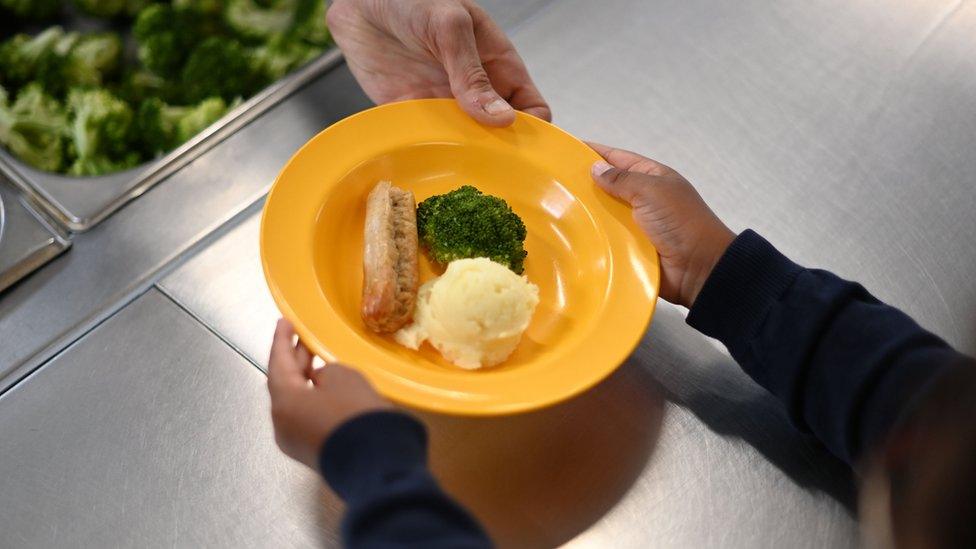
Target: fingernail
(600, 167)
(497, 106)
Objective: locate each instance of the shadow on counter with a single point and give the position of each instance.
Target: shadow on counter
(540, 479)
(697, 375)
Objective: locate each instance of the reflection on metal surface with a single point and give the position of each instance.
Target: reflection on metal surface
(150, 432)
(27, 241)
(80, 203)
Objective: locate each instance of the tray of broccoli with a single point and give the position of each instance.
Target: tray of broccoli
(101, 99)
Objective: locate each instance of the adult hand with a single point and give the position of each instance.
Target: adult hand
(409, 49)
(688, 236)
(308, 404)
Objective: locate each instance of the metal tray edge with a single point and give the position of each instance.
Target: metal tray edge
(58, 243)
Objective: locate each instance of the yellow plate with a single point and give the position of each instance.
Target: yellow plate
(598, 278)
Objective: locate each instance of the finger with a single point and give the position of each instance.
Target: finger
(627, 186)
(539, 112)
(470, 84)
(521, 94)
(337, 374)
(629, 161)
(506, 69)
(303, 356)
(283, 369)
(318, 375)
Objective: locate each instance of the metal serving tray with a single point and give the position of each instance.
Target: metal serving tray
(27, 240)
(78, 203)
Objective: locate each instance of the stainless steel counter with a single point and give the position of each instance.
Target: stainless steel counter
(130, 440)
(840, 130)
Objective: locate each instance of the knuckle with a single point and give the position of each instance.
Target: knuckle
(616, 176)
(476, 77)
(451, 20)
(650, 167)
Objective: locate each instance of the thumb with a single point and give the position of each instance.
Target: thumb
(627, 186)
(469, 81)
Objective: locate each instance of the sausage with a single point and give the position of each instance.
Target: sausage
(390, 272)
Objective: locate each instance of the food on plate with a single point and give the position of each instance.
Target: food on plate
(390, 272)
(474, 314)
(466, 223)
(193, 61)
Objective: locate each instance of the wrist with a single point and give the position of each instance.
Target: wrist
(359, 457)
(706, 255)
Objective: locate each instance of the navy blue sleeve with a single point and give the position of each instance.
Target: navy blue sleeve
(377, 463)
(845, 365)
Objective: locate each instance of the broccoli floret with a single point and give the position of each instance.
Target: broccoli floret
(80, 60)
(280, 56)
(467, 223)
(100, 131)
(31, 9)
(92, 59)
(252, 21)
(32, 127)
(112, 8)
(167, 35)
(219, 67)
(139, 84)
(255, 20)
(22, 56)
(310, 23)
(163, 127)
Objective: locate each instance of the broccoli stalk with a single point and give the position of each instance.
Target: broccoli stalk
(280, 56)
(99, 132)
(466, 223)
(252, 21)
(261, 21)
(22, 56)
(164, 127)
(92, 59)
(32, 127)
(139, 84)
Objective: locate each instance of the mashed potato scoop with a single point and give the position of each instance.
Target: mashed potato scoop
(474, 314)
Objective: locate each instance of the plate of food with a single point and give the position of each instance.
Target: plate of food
(463, 269)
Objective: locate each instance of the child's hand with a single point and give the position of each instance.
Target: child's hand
(308, 404)
(687, 235)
